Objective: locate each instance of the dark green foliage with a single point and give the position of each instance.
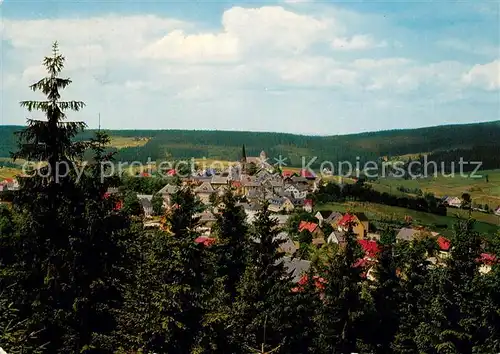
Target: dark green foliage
(166, 300)
(157, 202)
(131, 204)
(340, 318)
(386, 295)
(261, 309)
(64, 263)
(293, 222)
(77, 276)
(232, 246)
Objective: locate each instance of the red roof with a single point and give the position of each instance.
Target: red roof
(370, 248)
(308, 202)
(171, 172)
(488, 259)
(361, 263)
(306, 225)
(287, 173)
(307, 174)
(118, 205)
(346, 219)
(319, 283)
(443, 243)
(205, 241)
(145, 174)
(236, 184)
(8, 181)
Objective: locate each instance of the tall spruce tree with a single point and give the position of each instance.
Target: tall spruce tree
(452, 317)
(339, 321)
(68, 261)
(415, 296)
(386, 295)
(226, 264)
(232, 243)
(170, 287)
(261, 313)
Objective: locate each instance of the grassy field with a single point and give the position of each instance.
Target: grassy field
(8, 172)
(377, 212)
(481, 191)
(121, 142)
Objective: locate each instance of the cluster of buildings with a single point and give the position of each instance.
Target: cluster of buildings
(9, 184)
(285, 191)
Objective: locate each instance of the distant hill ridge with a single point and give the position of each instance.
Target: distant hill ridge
(227, 144)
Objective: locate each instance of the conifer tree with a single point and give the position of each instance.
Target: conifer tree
(68, 258)
(415, 296)
(232, 243)
(386, 295)
(339, 321)
(167, 301)
(264, 289)
(452, 317)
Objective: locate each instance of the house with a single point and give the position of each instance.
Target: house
(207, 218)
(278, 204)
(260, 161)
(237, 188)
(359, 224)
(205, 241)
(146, 203)
(314, 229)
(219, 182)
(334, 218)
(288, 173)
(282, 219)
(249, 183)
(204, 191)
(263, 176)
(444, 246)
(370, 248)
(486, 260)
(251, 210)
(308, 205)
(322, 216)
(307, 174)
(288, 246)
(275, 186)
(166, 192)
(497, 211)
(9, 184)
(299, 180)
(453, 202)
(296, 267)
(407, 234)
(337, 237)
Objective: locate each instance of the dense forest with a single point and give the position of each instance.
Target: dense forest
(79, 274)
(472, 139)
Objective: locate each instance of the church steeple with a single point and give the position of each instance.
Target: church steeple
(243, 155)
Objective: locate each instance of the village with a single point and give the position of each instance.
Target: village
(253, 181)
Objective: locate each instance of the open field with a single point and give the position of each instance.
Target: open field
(481, 191)
(379, 212)
(8, 172)
(121, 142)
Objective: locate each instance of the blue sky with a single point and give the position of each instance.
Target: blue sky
(310, 67)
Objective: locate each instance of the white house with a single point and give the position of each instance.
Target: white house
(147, 205)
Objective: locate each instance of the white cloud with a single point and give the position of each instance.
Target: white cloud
(194, 48)
(271, 64)
(486, 76)
(357, 42)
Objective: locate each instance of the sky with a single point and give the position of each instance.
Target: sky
(298, 66)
